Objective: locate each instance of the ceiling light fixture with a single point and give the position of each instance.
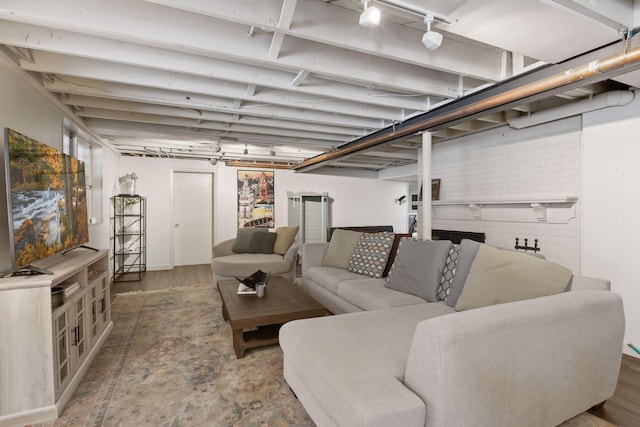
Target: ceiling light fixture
(272, 152)
(431, 39)
(217, 148)
(371, 15)
(246, 150)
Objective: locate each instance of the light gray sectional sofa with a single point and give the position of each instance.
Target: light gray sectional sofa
(395, 359)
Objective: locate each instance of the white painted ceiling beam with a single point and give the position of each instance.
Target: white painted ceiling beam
(87, 87)
(399, 172)
(110, 104)
(68, 43)
(317, 21)
(288, 6)
(200, 144)
(116, 128)
(404, 154)
(205, 124)
(136, 146)
(127, 74)
(565, 33)
(147, 24)
(351, 173)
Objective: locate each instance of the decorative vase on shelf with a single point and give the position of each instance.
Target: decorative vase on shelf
(128, 184)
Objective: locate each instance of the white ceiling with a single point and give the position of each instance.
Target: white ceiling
(178, 78)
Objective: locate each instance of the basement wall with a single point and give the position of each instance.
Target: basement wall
(537, 163)
(354, 201)
(611, 197)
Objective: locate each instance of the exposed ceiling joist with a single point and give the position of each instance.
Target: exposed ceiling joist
(174, 77)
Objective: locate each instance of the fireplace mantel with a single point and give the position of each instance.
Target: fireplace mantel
(565, 207)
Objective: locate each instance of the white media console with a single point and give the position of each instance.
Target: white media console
(45, 349)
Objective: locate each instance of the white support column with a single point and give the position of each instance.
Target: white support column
(424, 216)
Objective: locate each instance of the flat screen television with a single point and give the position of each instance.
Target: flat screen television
(46, 200)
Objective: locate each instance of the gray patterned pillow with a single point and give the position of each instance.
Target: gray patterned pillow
(370, 255)
(448, 273)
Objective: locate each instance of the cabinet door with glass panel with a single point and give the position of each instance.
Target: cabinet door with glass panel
(70, 339)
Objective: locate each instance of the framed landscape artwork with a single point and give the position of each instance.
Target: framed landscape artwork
(255, 189)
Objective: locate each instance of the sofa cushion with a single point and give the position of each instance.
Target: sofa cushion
(370, 255)
(466, 255)
(341, 246)
(330, 277)
(418, 267)
(363, 383)
(254, 241)
(284, 238)
(243, 265)
(372, 294)
(499, 276)
(448, 273)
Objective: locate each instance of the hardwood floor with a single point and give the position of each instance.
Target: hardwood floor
(623, 409)
(163, 279)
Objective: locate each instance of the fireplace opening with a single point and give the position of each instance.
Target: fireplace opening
(456, 236)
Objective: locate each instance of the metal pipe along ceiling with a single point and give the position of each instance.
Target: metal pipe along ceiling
(592, 69)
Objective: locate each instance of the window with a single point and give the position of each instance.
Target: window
(76, 145)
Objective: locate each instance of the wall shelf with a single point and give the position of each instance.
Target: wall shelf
(540, 208)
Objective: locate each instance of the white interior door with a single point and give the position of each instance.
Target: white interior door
(192, 215)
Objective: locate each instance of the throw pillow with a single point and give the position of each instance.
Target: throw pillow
(244, 243)
(341, 246)
(499, 276)
(467, 252)
(371, 253)
(262, 243)
(243, 240)
(418, 267)
(448, 273)
(284, 238)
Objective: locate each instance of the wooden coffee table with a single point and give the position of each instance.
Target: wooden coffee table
(255, 322)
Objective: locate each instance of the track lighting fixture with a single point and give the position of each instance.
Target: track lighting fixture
(371, 15)
(272, 152)
(246, 150)
(217, 148)
(431, 39)
(213, 161)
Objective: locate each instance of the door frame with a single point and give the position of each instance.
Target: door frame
(173, 215)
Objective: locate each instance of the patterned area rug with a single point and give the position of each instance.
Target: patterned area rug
(169, 361)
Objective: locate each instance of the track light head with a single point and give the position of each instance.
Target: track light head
(272, 152)
(371, 15)
(213, 162)
(217, 148)
(431, 39)
(246, 150)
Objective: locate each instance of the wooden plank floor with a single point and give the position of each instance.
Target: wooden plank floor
(623, 409)
(180, 276)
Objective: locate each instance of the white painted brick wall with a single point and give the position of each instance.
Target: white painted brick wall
(505, 164)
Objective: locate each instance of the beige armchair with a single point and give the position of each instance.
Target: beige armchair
(226, 264)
